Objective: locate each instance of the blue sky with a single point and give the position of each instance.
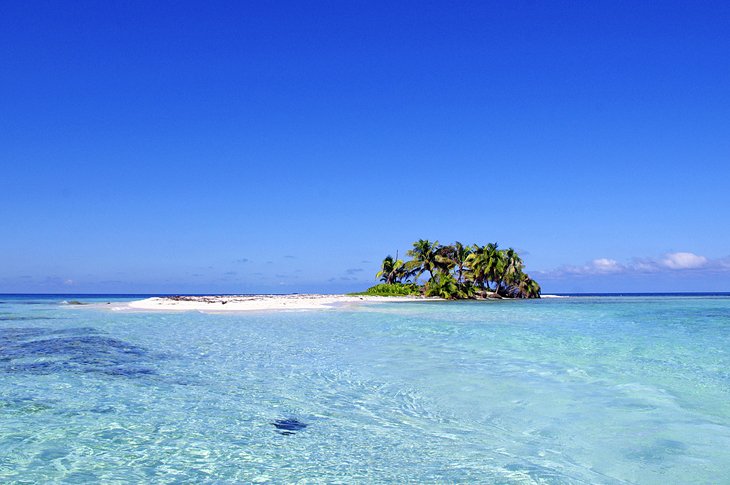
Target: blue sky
(233, 147)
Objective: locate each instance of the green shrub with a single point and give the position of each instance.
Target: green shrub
(393, 289)
(445, 286)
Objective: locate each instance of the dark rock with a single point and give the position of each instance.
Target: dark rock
(288, 426)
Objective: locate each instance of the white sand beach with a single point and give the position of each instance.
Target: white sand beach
(259, 302)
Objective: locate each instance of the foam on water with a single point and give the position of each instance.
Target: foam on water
(576, 390)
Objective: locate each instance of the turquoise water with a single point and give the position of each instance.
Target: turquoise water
(575, 390)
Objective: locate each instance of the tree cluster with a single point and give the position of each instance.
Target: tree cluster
(458, 271)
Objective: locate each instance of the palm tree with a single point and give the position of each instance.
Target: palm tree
(424, 257)
(476, 263)
(511, 267)
(495, 265)
(532, 288)
(459, 255)
(445, 259)
(392, 270)
(486, 265)
(527, 287)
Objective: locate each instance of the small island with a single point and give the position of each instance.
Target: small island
(455, 272)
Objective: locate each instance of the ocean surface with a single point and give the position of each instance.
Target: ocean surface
(573, 390)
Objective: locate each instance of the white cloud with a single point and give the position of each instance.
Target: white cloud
(683, 261)
(605, 265)
(644, 265)
(679, 261)
(597, 266)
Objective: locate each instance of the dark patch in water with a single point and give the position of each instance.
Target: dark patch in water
(126, 371)
(28, 302)
(658, 451)
(29, 332)
(4, 318)
(47, 351)
(25, 405)
(288, 426)
(88, 349)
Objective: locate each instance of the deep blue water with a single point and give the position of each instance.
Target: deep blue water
(609, 389)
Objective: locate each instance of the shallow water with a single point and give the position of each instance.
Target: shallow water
(575, 390)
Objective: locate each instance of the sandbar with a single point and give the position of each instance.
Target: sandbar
(234, 303)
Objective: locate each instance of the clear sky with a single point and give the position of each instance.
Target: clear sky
(289, 146)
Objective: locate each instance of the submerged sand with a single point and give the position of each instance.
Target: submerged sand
(260, 302)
